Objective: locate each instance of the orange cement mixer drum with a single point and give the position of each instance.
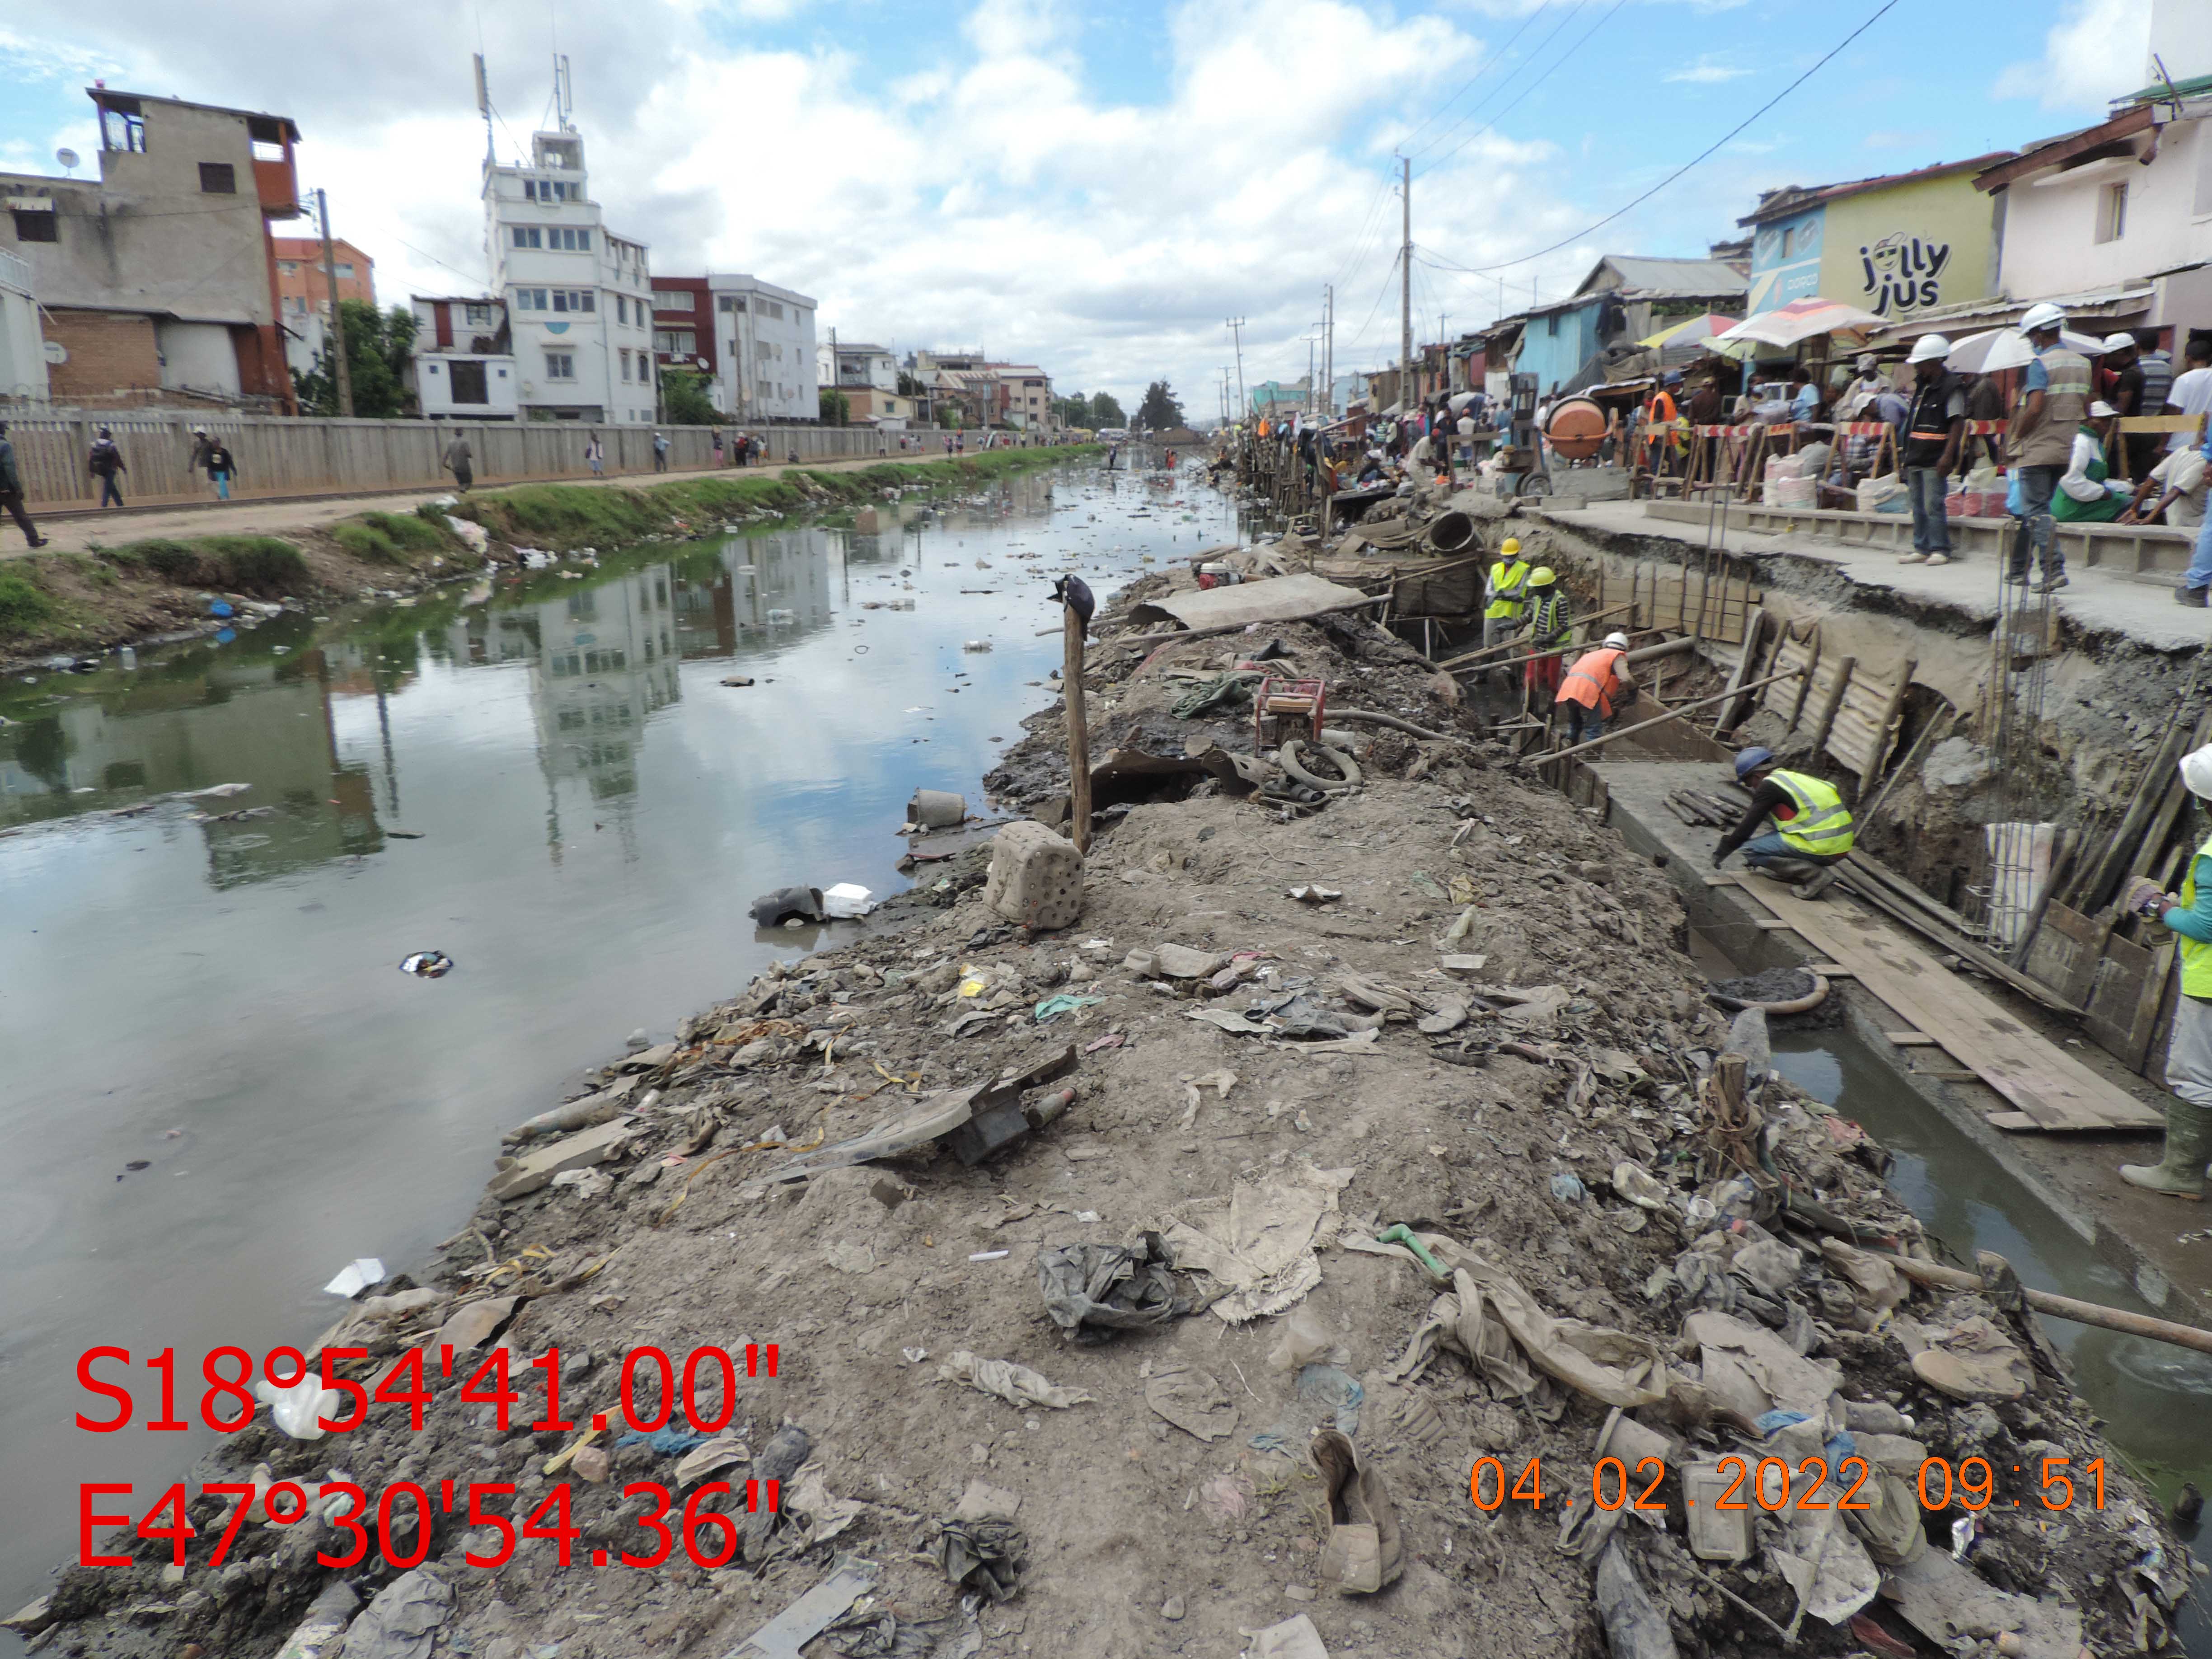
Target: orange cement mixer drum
(1577, 430)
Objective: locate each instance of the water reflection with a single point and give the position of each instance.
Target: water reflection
(544, 778)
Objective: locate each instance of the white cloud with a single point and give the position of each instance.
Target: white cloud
(2093, 54)
(1708, 70)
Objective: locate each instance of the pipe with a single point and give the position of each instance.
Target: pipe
(1804, 1004)
(1645, 725)
(1509, 645)
(1362, 716)
(2062, 1307)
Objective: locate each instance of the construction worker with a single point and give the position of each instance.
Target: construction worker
(1505, 594)
(1812, 831)
(1549, 630)
(2180, 1169)
(1589, 688)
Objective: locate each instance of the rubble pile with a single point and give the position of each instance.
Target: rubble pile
(1266, 1263)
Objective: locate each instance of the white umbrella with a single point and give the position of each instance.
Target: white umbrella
(1996, 349)
(1801, 319)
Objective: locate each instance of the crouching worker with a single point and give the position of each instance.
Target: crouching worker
(1812, 826)
(2180, 1169)
(1598, 679)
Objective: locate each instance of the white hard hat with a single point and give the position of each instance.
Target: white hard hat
(2100, 408)
(1618, 641)
(1868, 361)
(2119, 342)
(2197, 772)
(1927, 347)
(2042, 316)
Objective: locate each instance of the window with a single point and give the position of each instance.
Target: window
(672, 299)
(37, 225)
(218, 179)
(622, 309)
(2112, 212)
(769, 309)
(475, 316)
(560, 365)
(733, 302)
(123, 124)
(565, 238)
(575, 299)
(289, 267)
(530, 298)
(625, 362)
(468, 384)
(677, 341)
(767, 388)
(1789, 237)
(549, 190)
(526, 236)
(345, 269)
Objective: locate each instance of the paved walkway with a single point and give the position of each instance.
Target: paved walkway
(81, 530)
(2143, 608)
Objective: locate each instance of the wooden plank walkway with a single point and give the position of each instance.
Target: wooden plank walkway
(2052, 1089)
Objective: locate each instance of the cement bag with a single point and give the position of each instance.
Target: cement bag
(1876, 495)
(1606, 1363)
(1793, 492)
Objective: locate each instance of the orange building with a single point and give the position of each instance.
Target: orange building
(300, 290)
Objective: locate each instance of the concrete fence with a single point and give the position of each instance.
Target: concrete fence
(310, 456)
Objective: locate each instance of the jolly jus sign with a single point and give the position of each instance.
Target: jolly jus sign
(1896, 251)
(1901, 274)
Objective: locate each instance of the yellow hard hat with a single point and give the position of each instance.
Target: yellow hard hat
(1511, 545)
(1542, 576)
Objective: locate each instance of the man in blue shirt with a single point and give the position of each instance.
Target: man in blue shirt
(2193, 587)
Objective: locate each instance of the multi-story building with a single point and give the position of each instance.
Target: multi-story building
(857, 366)
(754, 342)
(22, 348)
(463, 367)
(1024, 397)
(303, 301)
(157, 281)
(578, 297)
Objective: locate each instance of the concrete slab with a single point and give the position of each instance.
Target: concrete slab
(2135, 1232)
(2098, 600)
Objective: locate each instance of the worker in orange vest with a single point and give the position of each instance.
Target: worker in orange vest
(1595, 680)
(1662, 424)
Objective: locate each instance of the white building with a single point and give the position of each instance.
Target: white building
(463, 368)
(764, 356)
(857, 366)
(2114, 222)
(22, 345)
(578, 298)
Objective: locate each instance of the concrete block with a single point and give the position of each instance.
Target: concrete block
(1036, 877)
(532, 1170)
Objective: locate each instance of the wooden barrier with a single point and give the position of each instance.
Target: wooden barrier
(281, 457)
(1683, 599)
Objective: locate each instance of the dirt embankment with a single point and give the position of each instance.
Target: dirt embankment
(60, 609)
(1475, 1024)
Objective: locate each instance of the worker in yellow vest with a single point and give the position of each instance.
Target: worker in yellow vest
(1505, 594)
(1812, 831)
(2180, 1169)
(1550, 628)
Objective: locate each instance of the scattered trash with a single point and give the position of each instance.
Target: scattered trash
(357, 1276)
(317, 1636)
(404, 1621)
(1314, 894)
(1259, 1242)
(1064, 1003)
(1035, 877)
(1093, 1290)
(1294, 1639)
(846, 901)
(1362, 1553)
(1193, 1400)
(975, 645)
(1970, 1360)
(1567, 1187)
(774, 909)
(1018, 1385)
(1337, 1391)
(296, 1409)
(990, 1255)
(985, 1556)
(1634, 1626)
(936, 809)
(783, 1636)
(710, 1457)
(737, 679)
(218, 791)
(428, 964)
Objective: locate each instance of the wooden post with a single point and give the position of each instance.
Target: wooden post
(1079, 731)
(1835, 701)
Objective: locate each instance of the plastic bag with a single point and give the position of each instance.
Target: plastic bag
(2015, 503)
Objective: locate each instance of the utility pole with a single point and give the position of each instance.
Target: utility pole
(334, 336)
(1236, 327)
(1405, 288)
(1329, 347)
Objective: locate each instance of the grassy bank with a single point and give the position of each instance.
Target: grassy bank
(56, 603)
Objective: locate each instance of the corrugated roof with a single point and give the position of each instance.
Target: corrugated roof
(1682, 276)
(1796, 199)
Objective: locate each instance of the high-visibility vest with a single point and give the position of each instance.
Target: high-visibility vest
(1508, 589)
(1822, 827)
(2196, 956)
(1549, 624)
(1591, 681)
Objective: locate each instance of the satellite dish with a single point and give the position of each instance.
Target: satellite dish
(67, 158)
(56, 353)
(701, 361)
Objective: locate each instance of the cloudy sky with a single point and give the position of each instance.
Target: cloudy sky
(1097, 187)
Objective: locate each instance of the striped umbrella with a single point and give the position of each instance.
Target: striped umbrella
(1801, 319)
(1690, 330)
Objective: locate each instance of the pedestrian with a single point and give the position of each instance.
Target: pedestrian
(2198, 579)
(2176, 486)
(2054, 398)
(2180, 1171)
(717, 446)
(1505, 593)
(2087, 493)
(1935, 430)
(103, 462)
(1812, 829)
(948, 443)
(1860, 393)
(11, 490)
(1588, 688)
(595, 452)
(1466, 436)
(1550, 628)
(660, 451)
(201, 444)
(2157, 365)
(2120, 378)
(2192, 390)
(1804, 396)
(459, 460)
(1984, 404)
(222, 468)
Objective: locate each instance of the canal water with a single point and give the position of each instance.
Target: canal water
(2155, 1398)
(218, 1088)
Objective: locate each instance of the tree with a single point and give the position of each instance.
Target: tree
(1159, 411)
(911, 386)
(1105, 411)
(683, 397)
(837, 407)
(378, 346)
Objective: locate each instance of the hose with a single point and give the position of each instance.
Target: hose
(1395, 724)
(1292, 763)
(1804, 1004)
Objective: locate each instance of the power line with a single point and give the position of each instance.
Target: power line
(1527, 59)
(1490, 66)
(1492, 122)
(1703, 155)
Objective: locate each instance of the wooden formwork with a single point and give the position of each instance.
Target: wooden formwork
(1683, 601)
